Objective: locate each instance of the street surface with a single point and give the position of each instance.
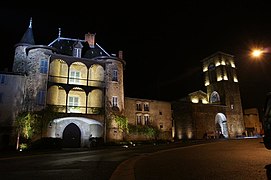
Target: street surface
(241, 159)
(223, 159)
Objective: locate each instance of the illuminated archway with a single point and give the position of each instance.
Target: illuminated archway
(87, 127)
(221, 124)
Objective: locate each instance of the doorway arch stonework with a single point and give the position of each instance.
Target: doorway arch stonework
(87, 127)
(221, 122)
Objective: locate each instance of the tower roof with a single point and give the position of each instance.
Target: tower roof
(28, 37)
(217, 54)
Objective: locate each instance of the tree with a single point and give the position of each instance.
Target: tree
(24, 126)
(32, 124)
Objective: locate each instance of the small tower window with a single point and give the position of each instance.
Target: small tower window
(41, 98)
(43, 66)
(115, 75)
(2, 79)
(115, 101)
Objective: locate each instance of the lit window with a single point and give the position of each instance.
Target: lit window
(74, 77)
(43, 66)
(146, 107)
(146, 119)
(138, 119)
(73, 104)
(115, 101)
(138, 107)
(115, 75)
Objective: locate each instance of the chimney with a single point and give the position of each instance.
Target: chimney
(120, 55)
(90, 38)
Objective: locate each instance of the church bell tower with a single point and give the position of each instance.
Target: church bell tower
(220, 79)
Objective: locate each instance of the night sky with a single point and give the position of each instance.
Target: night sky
(163, 44)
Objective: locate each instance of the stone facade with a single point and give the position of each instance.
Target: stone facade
(217, 113)
(252, 121)
(146, 112)
(84, 84)
(12, 88)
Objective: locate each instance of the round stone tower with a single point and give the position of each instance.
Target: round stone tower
(32, 61)
(114, 96)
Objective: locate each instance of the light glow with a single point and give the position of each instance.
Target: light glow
(195, 100)
(189, 133)
(204, 101)
(232, 64)
(217, 64)
(257, 53)
(219, 78)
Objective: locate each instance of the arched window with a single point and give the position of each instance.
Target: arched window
(212, 73)
(214, 97)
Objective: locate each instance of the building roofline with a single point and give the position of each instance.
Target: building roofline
(216, 53)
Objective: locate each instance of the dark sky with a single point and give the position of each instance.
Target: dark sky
(163, 43)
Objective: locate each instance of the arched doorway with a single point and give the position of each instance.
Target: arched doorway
(72, 136)
(221, 125)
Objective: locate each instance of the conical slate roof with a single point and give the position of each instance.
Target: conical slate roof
(28, 37)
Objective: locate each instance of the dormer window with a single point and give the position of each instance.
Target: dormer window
(77, 49)
(77, 52)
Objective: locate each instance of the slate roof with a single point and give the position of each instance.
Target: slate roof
(28, 37)
(65, 46)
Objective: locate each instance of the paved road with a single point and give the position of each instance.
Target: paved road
(94, 164)
(241, 159)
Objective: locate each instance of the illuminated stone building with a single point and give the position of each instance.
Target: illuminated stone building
(217, 113)
(252, 121)
(145, 112)
(79, 79)
(84, 85)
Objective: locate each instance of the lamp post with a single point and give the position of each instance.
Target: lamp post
(266, 120)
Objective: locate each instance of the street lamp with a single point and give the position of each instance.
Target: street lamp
(266, 120)
(257, 53)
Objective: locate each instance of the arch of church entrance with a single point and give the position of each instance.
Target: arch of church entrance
(72, 136)
(221, 125)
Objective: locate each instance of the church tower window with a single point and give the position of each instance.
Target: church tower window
(214, 97)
